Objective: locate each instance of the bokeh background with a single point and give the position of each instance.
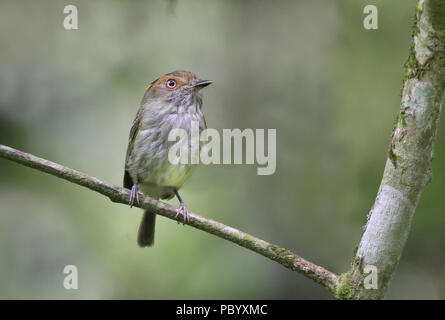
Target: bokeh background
(308, 69)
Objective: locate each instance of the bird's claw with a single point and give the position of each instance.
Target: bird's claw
(182, 210)
(134, 195)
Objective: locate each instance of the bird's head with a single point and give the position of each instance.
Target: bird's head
(175, 87)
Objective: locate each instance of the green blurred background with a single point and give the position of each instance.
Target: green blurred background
(308, 69)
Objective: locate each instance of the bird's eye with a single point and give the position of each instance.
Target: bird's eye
(171, 83)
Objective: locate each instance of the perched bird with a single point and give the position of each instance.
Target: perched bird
(170, 102)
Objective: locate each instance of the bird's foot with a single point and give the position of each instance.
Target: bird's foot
(182, 210)
(134, 195)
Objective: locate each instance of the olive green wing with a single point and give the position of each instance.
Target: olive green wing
(128, 182)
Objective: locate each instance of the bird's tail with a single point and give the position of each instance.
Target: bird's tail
(146, 235)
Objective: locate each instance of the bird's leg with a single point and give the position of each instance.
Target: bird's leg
(134, 195)
(182, 208)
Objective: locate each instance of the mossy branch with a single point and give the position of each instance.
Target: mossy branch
(120, 195)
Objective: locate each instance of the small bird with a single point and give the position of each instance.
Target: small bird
(170, 102)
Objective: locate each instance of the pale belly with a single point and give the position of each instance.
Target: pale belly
(161, 181)
(148, 163)
(156, 175)
(172, 175)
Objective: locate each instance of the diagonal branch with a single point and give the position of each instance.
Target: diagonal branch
(120, 195)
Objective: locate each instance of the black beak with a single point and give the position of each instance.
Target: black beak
(201, 84)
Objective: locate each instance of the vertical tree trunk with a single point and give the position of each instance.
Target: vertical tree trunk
(408, 167)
